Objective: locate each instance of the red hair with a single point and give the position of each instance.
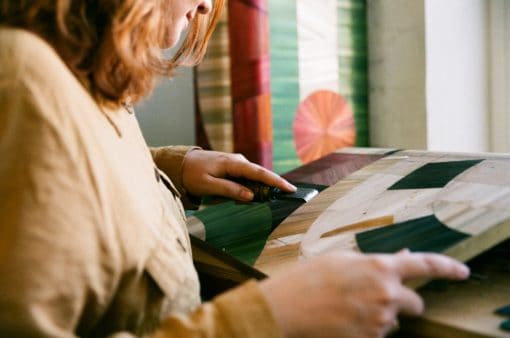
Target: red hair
(112, 44)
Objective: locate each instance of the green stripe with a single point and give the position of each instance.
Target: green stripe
(353, 62)
(239, 229)
(353, 73)
(284, 81)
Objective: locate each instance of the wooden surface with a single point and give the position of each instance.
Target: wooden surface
(283, 246)
(219, 271)
(461, 310)
(466, 309)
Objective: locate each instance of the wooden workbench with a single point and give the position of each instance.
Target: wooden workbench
(453, 310)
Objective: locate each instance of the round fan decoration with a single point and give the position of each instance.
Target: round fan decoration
(324, 122)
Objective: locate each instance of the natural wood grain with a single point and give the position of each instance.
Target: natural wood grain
(466, 309)
(363, 225)
(331, 168)
(463, 309)
(299, 221)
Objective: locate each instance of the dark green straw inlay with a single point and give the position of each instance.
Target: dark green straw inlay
(420, 234)
(433, 175)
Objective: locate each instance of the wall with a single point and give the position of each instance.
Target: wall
(167, 117)
(428, 80)
(457, 75)
(499, 15)
(429, 74)
(397, 73)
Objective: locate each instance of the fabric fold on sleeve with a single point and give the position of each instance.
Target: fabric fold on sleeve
(169, 160)
(241, 312)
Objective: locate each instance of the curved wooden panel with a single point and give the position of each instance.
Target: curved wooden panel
(283, 246)
(473, 203)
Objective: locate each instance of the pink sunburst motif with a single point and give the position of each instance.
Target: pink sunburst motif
(324, 122)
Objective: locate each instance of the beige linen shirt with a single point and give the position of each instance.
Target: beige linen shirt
(92, 243)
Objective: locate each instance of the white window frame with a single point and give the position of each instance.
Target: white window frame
(499, 82)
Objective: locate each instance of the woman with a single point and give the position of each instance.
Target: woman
(92, 235)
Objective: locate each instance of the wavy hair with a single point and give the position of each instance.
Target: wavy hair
(112, 45)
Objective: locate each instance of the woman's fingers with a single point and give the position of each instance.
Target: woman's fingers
(228, 188)
(257, 173)
(352, 294)
(426, 265)
(409, 302)
(207, 173)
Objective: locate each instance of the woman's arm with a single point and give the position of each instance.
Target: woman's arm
(200, 172)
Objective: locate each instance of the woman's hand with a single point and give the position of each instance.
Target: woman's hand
(206, 172)
(352, 295)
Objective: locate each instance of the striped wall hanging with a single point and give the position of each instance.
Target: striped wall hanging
(285, 81)
(319, 60)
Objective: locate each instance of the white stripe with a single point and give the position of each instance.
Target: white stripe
(196, 227)
(317, 46)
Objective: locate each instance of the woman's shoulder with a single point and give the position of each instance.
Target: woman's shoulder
(25, 53)
(33, 71)
(29, 61)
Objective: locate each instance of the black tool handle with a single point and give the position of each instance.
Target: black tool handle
(261, 192)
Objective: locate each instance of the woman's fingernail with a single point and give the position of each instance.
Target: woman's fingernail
(291, 186)
(246, 195)
(464, 271)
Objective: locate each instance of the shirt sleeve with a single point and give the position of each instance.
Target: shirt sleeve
(241, 312)
(170, 160)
